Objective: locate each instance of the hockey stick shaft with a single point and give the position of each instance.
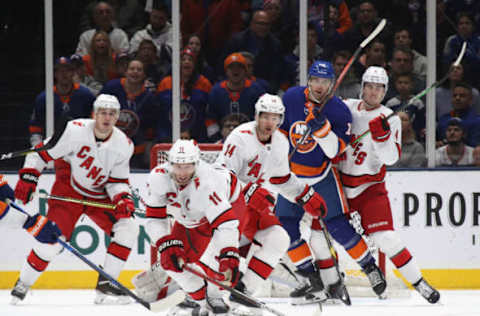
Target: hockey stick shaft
(52, 142)
(339, 80)
(333, 253)
(85, 202)
(93, 266)
(234, 292)
(416, 97)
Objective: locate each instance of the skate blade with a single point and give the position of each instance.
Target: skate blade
(242, 310)
(103, 299)
(15, 300)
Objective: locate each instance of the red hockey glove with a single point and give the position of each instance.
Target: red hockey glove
(312, 202)
(171, 253)
(27, 184)
(124, 206)
(379, 128)
(229, 260)
(337, 159)
(42, 229)
(258, 198)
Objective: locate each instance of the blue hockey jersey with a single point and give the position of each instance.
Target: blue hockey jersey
(309, 160)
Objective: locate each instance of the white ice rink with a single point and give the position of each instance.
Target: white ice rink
(80, 303)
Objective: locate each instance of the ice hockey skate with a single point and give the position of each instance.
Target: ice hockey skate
(310, 292)
(377, 279)
(109, 294)
(18, 292)
(427, 291)
(240, 307)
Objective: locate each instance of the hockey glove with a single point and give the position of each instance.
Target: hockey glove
(229, 260)
(258, 198)
(171, 253)
(312, 202)
(124, 206)
(44, 230)
(27, 184)
(319, 125)
(380, 128)
(6, 191)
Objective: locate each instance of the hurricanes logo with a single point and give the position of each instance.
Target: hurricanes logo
(297, 130)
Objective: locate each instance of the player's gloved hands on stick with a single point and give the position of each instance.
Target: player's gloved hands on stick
(258, 198)
(124, 205)
(27, 184)
(319, 124)
(171, 253)
(312, 202)
(379, 128)
(44, 230)
(229, 260)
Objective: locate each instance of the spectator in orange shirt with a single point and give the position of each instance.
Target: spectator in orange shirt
(100, 60)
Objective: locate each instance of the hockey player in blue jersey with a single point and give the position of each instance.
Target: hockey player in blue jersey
(312, 162)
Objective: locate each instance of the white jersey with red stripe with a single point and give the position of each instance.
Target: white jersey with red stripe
(254, 161)
(366, 161)
(205, 199)
(98, 168)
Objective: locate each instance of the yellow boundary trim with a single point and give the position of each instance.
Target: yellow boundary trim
(439, 278)
(64, 279)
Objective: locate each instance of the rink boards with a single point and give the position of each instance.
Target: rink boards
(437, 214)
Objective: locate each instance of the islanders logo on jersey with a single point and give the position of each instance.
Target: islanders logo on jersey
(297, 130)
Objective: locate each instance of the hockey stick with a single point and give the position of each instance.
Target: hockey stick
(159, 306)
(63, 121)
(418, 96)
(242, 296)
(354, 57)
(85, 202)
(333, 254)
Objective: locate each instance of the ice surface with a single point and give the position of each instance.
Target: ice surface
(80, 303)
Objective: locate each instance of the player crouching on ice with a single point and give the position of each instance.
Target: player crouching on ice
(363, 170)
(91, 162)
(205, 228)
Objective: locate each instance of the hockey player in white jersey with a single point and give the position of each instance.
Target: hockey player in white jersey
(205, 226)
(363, 170)
(257, 152)
(91, 162)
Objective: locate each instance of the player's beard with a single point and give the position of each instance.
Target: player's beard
(184, 181)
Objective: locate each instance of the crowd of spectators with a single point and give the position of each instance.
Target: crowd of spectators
(233, 51)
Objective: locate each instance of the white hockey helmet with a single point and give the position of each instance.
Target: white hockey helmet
(106, 101)
(184, 151)
(271, 104)
(375, 74)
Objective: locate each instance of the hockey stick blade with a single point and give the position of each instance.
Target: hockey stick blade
(374, 33)
(168, 302)
(63, 121)
(460, 56)
(242, 296)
